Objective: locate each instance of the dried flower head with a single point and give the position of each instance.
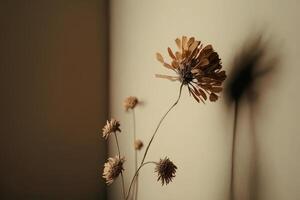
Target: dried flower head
(112, 169)
(197, 67)
(110, 127)
(130, 102)
(138, 144)
(166, 170)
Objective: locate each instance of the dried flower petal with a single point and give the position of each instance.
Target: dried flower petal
(178, 42)
(112, 169)
(166, 170)
(159, 57)
(171, 78)
(110, 127)
(213, 97)
(171, 53)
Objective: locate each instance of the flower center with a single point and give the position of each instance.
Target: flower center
(186, 77)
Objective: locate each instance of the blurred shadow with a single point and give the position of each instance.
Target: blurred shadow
(253, 63)
(253, 68)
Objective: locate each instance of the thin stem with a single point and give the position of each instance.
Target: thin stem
(233, 150)
(159, 123)
(117, 142)
(123, 184)
(135, 156)
(135, 175)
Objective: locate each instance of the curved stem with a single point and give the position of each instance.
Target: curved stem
(135, 175)
(123, 184)
(159, 123)
(233, 150)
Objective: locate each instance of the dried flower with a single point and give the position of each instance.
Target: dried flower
(110, 127)
(112, 169)
(166, 170)
(197, 67)
(130, 102)
(138, 144)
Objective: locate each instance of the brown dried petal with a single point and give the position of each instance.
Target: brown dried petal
(191, 41)
(203, 94)
(175, 64)
(178, 55)
(171, 53)
(193, 46)
(195, 97)
(216, 89)
(168, 66)
(213, 97)
(204, 62)
(178, 43)
(171, 78)
(184, 43)
(159, 57)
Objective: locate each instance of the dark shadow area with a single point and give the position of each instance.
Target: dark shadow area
(253, 68)
(54, 98)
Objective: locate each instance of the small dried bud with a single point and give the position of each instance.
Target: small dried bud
(138, 144)
(130, 102)
(112, 169)
(110, 127)
(166, 170)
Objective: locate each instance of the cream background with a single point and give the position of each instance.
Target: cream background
(197, 137)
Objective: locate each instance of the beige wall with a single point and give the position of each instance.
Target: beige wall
(197, 137)
(53, 98)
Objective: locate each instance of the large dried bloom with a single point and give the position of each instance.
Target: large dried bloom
(112, 169)
(166, 170)
(197, 66)
(110, 127)
(130, 102)
(138, 144)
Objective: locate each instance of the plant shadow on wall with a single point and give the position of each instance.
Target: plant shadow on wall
(253, 68)
(198, 68)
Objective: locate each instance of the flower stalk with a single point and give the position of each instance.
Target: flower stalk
(135, 197)
(135, 175)
(159, 123)
(122, 177)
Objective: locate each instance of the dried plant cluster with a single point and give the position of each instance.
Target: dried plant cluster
(199, 68)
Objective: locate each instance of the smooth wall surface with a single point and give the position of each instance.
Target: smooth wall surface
(197, 137)
(53, 58)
